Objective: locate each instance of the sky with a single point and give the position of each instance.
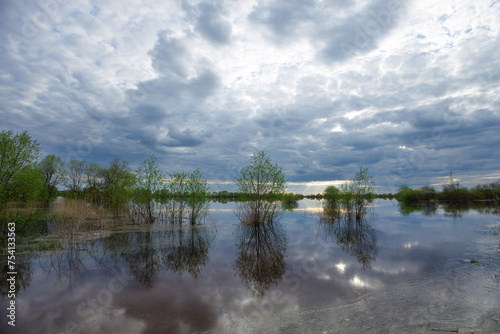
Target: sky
(408, 89)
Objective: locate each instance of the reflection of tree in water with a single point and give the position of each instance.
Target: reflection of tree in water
(66, 264)
(427, 208)
(353, 234)
(189, 250)
(331, 211)
(450, 209)
(23, 276)
(261, 253)
(289, 206)
(257, 211)
(455, 210)
(150, 252)
(487, 208)
(144, 260)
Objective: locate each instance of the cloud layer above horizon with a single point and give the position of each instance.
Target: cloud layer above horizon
(409, 89)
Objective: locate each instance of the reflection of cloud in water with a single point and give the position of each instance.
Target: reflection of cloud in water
(45, 309)
(340, 267)
(372, 282)
(113, 320)
(357, 282)
(411, 244)
(218, 299)
(325, 277)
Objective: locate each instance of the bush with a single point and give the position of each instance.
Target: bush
(454, 193)
(409, 195)
(331, 193)
(263, 183)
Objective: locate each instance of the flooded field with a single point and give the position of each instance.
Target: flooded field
(397, 270)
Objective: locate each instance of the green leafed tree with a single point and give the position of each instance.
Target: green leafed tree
(118, 182)
(53, 171)
(262, 182)
(186, 194)
(18, 151)
(150, 179)
(331, 208)
(197, 199)
(429, 193)
(178, 192)
(28, 185)
(331, 193)
(358, 192)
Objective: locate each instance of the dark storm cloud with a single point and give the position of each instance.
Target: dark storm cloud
(205, 84)
(150, 114)
(341, 30)
(211, 24)
(360, 31)
(171, 60)
(283, 18)
(182, 139)
(155, 138)
(172, 137)
(167, 112)
(143, 136)
(169, 55)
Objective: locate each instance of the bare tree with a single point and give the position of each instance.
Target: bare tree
(75, 177)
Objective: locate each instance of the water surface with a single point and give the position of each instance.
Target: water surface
(393, 270)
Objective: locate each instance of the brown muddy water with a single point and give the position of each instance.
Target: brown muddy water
(391, 272)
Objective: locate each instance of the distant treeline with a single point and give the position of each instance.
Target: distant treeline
(452, 192)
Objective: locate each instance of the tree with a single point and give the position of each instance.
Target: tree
(358, 192)
(262, 183)
(289, 202)
(26, 186)
(17, 152)
(94, 179)
(118, 181)
(331, 207)
(428, 192)
(177, 189)
(453, 192)
(149, 183)
(331, 193)
(197, 199)
(75, 178)
(52, 169)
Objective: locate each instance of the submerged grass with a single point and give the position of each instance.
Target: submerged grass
(79, 211)
(75, 221)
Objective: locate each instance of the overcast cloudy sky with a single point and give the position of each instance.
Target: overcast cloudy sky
(409, 89)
